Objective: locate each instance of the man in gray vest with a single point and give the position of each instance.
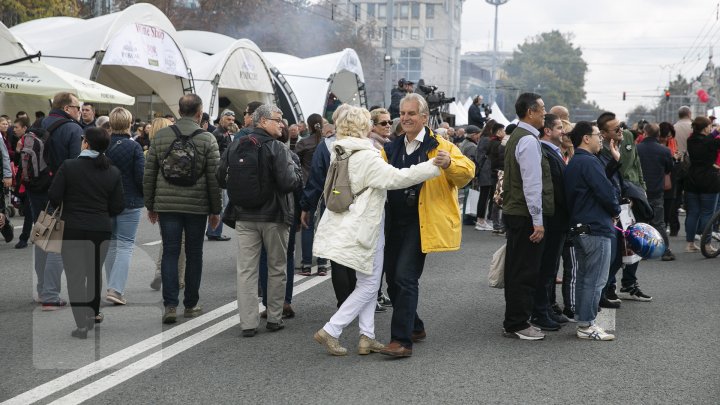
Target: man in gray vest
(527, 196)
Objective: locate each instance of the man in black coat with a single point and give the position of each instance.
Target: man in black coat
(656, 161)
(556, 227)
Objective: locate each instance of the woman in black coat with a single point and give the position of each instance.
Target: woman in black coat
(90, 192)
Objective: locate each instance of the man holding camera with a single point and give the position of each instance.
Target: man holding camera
(403, 88)
(478, 112)
(420, 219)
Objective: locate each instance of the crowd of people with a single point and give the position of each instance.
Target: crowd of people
(555, 189)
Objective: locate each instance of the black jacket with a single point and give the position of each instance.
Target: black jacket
(475, 116)
(395, 96)
(656, 161)
(65, 141)
(702, 175)
(318, 171)
(286, 175)
(557, 171)
(90, 196)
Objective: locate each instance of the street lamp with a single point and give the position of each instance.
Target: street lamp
(493, 86)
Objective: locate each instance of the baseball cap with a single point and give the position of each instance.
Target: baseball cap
(472, 129)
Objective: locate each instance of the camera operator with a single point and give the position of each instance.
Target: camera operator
(478, 112)
(403, 88)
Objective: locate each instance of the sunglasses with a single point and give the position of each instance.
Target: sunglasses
(384, 123)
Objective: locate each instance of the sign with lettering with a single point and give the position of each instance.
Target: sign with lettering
(146, 47)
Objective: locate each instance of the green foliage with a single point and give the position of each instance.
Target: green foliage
(551, 66)
(13, 12)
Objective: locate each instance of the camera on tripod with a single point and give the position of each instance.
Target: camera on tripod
(433, 97)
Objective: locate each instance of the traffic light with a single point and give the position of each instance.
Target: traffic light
(667, 95)
(623, 96)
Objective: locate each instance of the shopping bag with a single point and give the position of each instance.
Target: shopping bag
(471, 202)
(47, 233)
(496, 276)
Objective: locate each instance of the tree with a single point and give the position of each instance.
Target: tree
(549, 64)
(13, 12)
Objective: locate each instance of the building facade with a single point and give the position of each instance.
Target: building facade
(425, 42)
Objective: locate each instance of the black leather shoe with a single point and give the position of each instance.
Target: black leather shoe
(249, 332)
(545, 324)
(22, 244)
(7, 230)
(80, 333)
(274, 327)
(605, 303)
(221, 238)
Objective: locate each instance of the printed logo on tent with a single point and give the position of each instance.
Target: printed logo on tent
(21, 77)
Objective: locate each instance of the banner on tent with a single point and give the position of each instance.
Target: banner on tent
(248, 74)
(146, 47)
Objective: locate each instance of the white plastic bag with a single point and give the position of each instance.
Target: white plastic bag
(496, 276)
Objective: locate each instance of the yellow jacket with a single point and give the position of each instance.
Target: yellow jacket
(440, 222)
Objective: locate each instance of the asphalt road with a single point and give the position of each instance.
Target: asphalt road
(666, 351)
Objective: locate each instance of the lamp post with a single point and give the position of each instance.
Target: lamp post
(493, 86)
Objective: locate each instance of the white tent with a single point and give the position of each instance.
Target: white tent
(313, 79)
(134, 51)
(231, 76)
(460, 112)
(498, 116)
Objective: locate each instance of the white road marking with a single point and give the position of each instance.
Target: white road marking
(124, 374)
(18, 227)
(157, 242)
(606, 319)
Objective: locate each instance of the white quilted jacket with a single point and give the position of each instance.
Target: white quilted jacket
(350, 238)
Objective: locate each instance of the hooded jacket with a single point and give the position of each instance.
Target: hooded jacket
(440, 225)
(350, 238)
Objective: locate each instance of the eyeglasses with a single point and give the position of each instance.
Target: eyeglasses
(75, 106)
(618, 130)
(384, 123)
(229, 113)
(278, 120)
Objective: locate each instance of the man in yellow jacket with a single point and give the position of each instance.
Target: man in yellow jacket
(420, 219)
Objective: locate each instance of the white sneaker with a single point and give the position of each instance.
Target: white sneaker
(594, 332)
(481, 225)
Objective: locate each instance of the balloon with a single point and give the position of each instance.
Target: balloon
(645, 241)
(703, 96)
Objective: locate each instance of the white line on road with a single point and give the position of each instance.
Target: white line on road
(153, 243)
(166, 353)
(110, 361)
(18, 227)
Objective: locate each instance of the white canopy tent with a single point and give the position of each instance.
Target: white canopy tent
(134, 51)
(313, 79)
(29, 84)
(231, 76)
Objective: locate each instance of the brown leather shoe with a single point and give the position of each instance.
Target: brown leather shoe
(418, 336)
(395, 349)
(288, 311)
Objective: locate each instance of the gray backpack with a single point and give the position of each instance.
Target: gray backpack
(337, 192)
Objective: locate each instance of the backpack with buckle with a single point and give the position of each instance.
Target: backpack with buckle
(178, 164)
(337, 192)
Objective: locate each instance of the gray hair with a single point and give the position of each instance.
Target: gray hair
(684, 111)
(420, 100)
(264, 111)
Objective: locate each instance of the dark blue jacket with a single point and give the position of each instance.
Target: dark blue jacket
(127, 155)
(591, 197)
(64, 143)
(557, 171)
(656, 161)
(318, 171)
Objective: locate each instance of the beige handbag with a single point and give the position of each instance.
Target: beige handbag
(47, 233)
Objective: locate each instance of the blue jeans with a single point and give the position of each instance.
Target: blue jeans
(122, 244)
(48, 266)
(171, 227)
(307, 242)
(629, 274)
(218, 231)
(700, 208)
(593, 254)
(290, 269)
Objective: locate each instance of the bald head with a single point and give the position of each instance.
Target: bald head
(561, 112)
(651, 130)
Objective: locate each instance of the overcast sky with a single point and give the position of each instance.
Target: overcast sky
(629, 45)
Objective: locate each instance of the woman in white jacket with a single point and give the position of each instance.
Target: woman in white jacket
(351, 239)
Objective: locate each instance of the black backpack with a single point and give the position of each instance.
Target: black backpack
(248, 179)
(178, 164)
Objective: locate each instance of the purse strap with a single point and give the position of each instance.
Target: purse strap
(55, 212)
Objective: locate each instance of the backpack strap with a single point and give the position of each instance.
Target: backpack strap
(57, 124)
(342, 154)
(179, 134)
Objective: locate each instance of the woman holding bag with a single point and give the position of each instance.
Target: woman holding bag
(90, 191)
(352, 239)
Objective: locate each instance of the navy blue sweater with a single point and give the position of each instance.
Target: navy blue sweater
(591, 197)
(656, 161)
(127, 155)
(318, 171)
(65, 141)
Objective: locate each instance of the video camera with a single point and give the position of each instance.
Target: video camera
(433, 98)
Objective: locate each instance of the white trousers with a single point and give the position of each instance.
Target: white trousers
(361, 302)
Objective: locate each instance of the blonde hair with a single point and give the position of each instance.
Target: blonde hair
(376, 113)
(158, 124)
(338, 110)
(120, 120)
(353, 122)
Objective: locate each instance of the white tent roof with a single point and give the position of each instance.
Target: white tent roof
(12, 46)
(498, 116)
(313, 78)
(134, 51)
(239, 70)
